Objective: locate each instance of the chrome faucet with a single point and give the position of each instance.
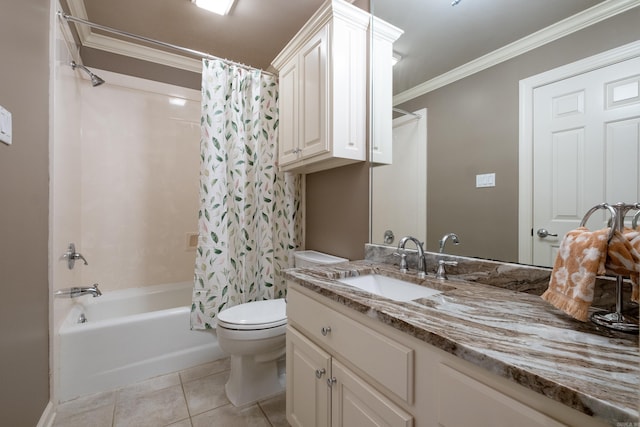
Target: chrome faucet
(454, 238)
(78, 292)
(422, 263)
(441, 272)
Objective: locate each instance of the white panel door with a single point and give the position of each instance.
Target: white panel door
(313, 82)
(586, 150)
(288, 111)
(393, 206)
(308, 395)
(355, 403)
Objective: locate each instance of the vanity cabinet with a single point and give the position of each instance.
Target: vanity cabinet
(323, 83)
(345, 368)
(322, 390)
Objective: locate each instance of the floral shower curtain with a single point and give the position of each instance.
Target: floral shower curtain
(249, 212)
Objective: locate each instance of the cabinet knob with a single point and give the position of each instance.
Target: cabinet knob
(325, 330)
(320, 373)
(331, 381)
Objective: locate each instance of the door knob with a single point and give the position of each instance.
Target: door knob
(543, 232)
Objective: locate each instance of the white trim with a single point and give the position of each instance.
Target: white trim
(525, 149)
(560, 29)
(48, 416)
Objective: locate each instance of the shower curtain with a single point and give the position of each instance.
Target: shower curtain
(249, 212)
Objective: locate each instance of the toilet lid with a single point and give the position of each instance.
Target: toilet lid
(255, 315)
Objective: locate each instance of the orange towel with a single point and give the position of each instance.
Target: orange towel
(580, 259)
(623, 257)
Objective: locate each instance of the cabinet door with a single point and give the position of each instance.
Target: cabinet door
(483, 406)
(308, 395)
(356, 403)
(312, 63)
(348, 106)
(288, 112)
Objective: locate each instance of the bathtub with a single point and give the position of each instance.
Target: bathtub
(129, 336)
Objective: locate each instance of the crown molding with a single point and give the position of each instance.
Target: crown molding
(579, 21)
(121, 47)
(563, 28)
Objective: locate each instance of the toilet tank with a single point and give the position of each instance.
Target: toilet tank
(313, 259)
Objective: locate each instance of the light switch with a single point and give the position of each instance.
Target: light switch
(486, 180)
(5, 126)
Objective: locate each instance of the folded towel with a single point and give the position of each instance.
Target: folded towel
(580, 259)
(623, 257)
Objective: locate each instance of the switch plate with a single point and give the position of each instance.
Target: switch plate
(486, 180)
(5, 125)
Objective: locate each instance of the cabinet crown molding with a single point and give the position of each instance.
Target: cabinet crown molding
(331, 9)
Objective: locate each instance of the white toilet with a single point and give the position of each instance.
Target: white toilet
(253, 334)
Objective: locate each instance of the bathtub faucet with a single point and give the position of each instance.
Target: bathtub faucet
(78, 292)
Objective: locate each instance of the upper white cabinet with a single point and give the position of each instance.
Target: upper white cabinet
(323, 87)
(383, 35)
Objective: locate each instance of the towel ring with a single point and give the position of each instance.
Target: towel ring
(634, 221)
(611, 210)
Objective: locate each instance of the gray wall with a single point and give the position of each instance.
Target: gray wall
(337, 210)
(473, 129)
(24, 210)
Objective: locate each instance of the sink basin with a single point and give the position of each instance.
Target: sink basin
(389, 287)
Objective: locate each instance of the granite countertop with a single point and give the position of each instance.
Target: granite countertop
(513, 334)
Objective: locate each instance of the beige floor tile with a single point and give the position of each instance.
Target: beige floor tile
(206, 393)
(229, 415)
(158, 408)
(183, 423)
(205, 370)
(96, 417)
(148, 386)
(275, 409)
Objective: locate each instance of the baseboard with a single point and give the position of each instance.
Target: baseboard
(47, 417)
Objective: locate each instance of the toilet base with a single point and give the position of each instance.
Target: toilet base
(251, 381)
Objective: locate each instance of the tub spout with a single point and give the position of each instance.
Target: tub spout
(78, 292)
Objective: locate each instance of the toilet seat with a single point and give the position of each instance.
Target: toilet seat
(256, 315)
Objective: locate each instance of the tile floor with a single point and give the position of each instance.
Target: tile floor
(194, 397)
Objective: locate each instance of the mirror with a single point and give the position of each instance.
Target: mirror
(472, 113)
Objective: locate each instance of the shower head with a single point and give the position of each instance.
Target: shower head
(95, 80)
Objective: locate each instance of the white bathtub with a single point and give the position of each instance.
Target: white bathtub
(130, 335)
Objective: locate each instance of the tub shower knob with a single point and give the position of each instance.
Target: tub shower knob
(325, 330)
(71, 255)
(320, 373)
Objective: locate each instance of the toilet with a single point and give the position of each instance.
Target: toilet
(253, 334)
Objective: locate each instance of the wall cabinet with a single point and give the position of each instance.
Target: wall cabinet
(323, 82)
(383, 35)
(347, 369)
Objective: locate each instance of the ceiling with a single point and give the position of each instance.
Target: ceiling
(438, 37)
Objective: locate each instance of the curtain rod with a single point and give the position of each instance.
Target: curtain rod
(157, 42)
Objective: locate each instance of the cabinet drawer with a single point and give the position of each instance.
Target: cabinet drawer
(465, 401)
(381, 358)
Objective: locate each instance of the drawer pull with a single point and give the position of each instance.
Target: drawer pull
(320, 373)
(331, 381)
(325, 330)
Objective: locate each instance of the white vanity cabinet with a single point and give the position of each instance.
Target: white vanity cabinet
(345, 368)
(322, 390)
(323, 83)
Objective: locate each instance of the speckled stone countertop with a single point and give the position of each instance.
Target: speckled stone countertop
(511, 333)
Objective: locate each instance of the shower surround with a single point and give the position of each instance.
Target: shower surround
(124, 183)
